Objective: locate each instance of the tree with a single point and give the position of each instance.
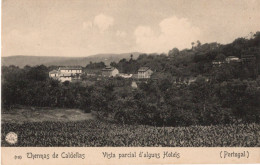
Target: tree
(38, 73)
(174, 52)
(221, 57)
(96, 65)
(192, 44)
(198, 44)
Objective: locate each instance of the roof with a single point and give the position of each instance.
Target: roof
(71, 67)
(108, 68)
(143, 69)
(54, 72)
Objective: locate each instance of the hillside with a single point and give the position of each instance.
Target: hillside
(22, 60)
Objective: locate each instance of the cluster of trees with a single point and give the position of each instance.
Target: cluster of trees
(162, 102)
(96, 65)
(31, 86)
(198, 60)
(155, 102)
(220, 95)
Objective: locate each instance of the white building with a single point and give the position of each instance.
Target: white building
(54, 74)
(110, 72)
(232, 59)
(67, 73)
(144, 73)
(217, 63)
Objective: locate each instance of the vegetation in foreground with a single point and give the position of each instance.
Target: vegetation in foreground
(96, 133)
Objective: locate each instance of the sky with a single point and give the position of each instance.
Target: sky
(86, 27)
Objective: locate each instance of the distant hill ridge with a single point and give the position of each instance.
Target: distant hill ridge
(23, 60)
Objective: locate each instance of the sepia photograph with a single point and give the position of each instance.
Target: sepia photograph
(130, 73)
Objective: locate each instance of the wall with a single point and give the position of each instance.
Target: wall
(115, 72)
(62, 79)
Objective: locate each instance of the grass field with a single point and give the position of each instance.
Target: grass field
(78, 129)
(27, 114)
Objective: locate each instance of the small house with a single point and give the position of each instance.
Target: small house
(110, 72)
(144, 73)
(54, 74)
(232, 59)
(217, 63)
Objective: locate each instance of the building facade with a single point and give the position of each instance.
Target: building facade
(110, 72)
(144, 73)
(54, 74)
(232, 59)
(67, 73)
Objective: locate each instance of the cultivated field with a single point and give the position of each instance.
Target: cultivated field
(97, 133)
(27, 114)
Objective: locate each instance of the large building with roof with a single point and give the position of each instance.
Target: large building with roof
(66, 73)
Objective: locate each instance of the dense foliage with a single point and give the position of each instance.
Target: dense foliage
(165, 103)
(32, 86)
(198, 60)
(95, 133)
(155, 102)
(220, 95)
(96, 65)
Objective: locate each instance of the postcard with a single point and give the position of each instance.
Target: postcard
(130, 82)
